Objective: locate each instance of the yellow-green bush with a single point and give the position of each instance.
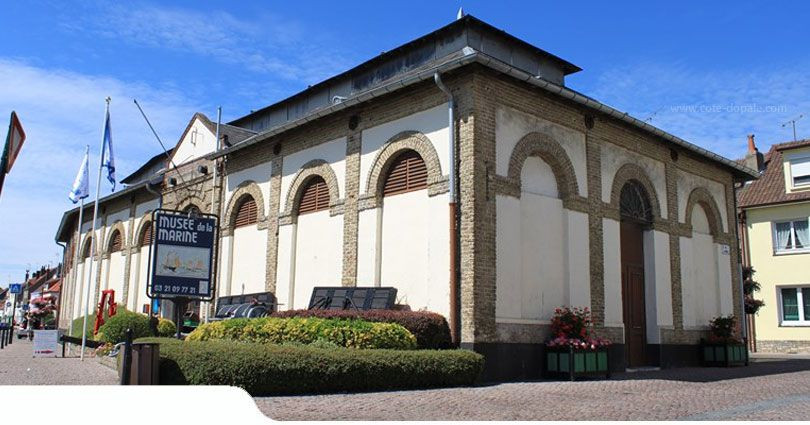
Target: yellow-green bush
(343, 333)
(166, 328)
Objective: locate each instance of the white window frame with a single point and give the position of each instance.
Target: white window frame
(803, 321)
(777, 250)
(791, 161)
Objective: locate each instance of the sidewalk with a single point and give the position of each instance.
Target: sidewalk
(18, 367)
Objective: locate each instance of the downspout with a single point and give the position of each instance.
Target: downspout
(62, 290)
(453, 210)
(743, 322)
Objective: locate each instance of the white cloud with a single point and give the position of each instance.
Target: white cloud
(62, 112)
(713, 109)
(266, 44)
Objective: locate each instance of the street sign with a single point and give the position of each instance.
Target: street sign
(182, 255)
(15, 288)
(25, 307)
(46, 343)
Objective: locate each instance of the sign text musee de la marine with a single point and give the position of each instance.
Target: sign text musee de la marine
(182, 254)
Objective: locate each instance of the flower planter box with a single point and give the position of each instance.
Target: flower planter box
(724, 355)
(570, 363)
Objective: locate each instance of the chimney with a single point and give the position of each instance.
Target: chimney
(754, 159)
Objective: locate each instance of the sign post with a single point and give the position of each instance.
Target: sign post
(16, 289)
(181, 255)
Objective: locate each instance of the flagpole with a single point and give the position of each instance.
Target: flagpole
(93, 227)
(74, 272)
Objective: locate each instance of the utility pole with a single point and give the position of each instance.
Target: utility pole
(793, 124)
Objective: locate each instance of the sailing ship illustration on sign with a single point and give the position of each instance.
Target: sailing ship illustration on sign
(184, 262)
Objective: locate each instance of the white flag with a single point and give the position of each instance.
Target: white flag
(81, 188)
(107, 151)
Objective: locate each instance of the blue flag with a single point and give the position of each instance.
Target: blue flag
(81, 188)
(107, 152)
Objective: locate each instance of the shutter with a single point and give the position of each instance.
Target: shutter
(800, 170)
(86, 252)
(146, 234)
(246, 214)
(115, 243)
(315, 196)
(407, 173)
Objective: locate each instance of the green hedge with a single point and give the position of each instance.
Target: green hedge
(430, 329)
(269, 369)
(115, 328)
(344, 333)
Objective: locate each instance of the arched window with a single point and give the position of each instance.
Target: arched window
(634, 203)
(315, 196)
(246, 212)
(116, 242)
(87, 245)
(407, 173)
(192, 210)
(146, 235)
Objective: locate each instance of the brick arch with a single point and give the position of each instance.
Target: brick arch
(136, 238)
(404, 141)
(119, 226)
(246, 188)
(189, 201)
(632, 172)
(701, 196)
(85, 246)
(553, 154)
(316, 167)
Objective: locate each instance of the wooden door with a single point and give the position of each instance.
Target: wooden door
(634, 312)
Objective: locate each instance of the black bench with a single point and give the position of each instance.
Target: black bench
(247, 305)
(358, 298)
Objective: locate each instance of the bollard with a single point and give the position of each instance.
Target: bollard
(2, 338)
(126, 362)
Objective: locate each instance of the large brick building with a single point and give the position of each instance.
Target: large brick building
(460, 169)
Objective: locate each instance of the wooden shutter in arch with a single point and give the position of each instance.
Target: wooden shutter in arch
(246, 214)
(315, 196)
(146, 234)
(408, 172)
(116, 242)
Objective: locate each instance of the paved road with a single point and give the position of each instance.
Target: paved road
(18, 367)
(770, 389)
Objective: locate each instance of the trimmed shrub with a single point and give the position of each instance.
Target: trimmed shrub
(115, 328)
(430, 329)
(268, 369)
(166, 328)
(77, 326)
(341, 332)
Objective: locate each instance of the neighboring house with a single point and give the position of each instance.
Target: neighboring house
(774, 214)
(518, 196)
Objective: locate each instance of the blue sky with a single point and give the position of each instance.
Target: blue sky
(710, 73)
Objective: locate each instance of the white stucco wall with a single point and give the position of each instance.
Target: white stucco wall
(512, 125)
(333, 152)
(317, 243)
(224, 267)
(367, 272)
(430, 122)
(614, 157)
(700, 280)
(249, 260)
(663, 278)
(198, 141)
(259, 174)
(542, 251)
(139, 274)
(613, 273)
(414, 250)
(688, 182)
(115, 278)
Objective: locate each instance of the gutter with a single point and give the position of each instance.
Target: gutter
(471, 55)
(455, 236)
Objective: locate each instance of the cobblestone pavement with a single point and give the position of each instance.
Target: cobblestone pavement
(768, 389)
(18, 367)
